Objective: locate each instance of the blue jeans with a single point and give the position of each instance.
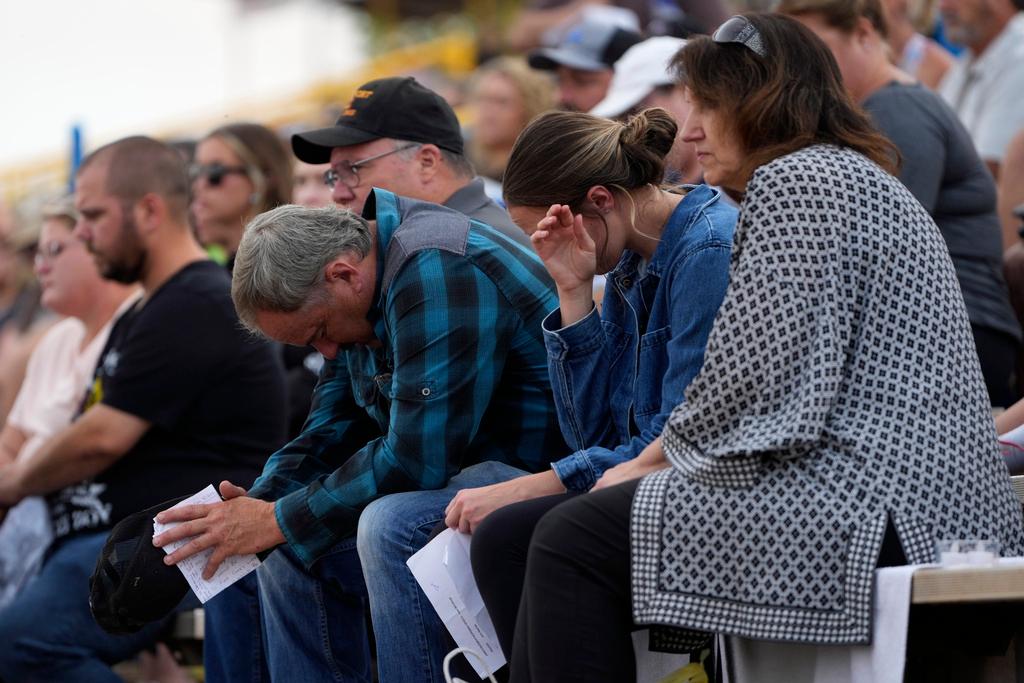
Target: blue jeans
(314, 622)
(47, 632)
(410, 636)
(233, 647)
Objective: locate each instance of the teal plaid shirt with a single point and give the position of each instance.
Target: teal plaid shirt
(461, 377)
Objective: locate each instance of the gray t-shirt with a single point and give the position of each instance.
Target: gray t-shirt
(472, 201)
(944, 172)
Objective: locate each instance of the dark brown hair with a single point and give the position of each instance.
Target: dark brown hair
(840, 14)
(258, 146)
(560, 155)
(139, 165)
(790, 99)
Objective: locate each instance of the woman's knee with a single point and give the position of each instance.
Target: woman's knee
(589, 532)
(557, 532)
(494, 541)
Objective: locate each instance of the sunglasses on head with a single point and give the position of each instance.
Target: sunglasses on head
(738, 29)
(214, 173)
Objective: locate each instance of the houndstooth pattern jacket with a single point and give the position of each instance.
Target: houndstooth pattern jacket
(840, 389)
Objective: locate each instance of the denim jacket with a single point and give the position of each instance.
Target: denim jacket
(618, 375)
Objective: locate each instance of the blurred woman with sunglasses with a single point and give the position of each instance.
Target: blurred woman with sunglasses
(939, 165)
(840, 370)
(239, 170)
(59, 371)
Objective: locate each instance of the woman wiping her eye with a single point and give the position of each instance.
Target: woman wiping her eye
(589, 191)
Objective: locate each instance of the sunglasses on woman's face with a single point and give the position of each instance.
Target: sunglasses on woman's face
(738, 29)
(214, 173)
(49, 251)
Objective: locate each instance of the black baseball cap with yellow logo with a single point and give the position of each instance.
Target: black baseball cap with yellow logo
(398, 108)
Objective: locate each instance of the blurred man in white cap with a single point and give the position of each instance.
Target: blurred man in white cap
(643, 79)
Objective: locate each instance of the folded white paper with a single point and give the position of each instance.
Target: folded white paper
(232, 569)
(443, 570)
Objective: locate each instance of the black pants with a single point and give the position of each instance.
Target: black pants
(573, 621)
(568, 556)
(499, 551)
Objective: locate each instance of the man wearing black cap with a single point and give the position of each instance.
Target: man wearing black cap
(399, 136)
(583, 61)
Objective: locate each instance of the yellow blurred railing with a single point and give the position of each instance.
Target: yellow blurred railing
(454, 54)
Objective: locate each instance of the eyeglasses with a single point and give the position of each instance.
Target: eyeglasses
(348, 171)
(214, 173)
(48, 253)
(738, 29)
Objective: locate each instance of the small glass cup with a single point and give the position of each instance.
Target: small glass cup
(967, 552)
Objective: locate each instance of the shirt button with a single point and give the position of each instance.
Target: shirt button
(425, 391)
(626, 282)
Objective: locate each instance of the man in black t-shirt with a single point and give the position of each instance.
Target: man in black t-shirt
(182, 397)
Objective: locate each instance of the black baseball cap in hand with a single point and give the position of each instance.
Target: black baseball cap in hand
(398, 108)
(131, 586)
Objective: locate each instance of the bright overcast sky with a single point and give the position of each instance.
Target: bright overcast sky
(134, 66)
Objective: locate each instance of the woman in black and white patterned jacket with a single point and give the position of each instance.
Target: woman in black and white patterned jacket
(839, 422)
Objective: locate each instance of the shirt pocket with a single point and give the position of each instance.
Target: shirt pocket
(653, 365)
(374, 393)
(414, 389)
(364, 389)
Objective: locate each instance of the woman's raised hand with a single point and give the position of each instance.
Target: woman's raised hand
(566, 248)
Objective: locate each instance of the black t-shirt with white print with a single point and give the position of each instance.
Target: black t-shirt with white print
(213, 394)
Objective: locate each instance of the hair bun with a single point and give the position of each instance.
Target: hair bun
(646, 139)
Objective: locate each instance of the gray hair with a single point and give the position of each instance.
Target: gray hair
(460, 165)
(284, 252)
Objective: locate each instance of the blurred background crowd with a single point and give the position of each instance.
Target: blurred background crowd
(257, 71)
(228, 82)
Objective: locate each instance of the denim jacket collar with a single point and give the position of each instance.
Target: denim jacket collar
(628, 265)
